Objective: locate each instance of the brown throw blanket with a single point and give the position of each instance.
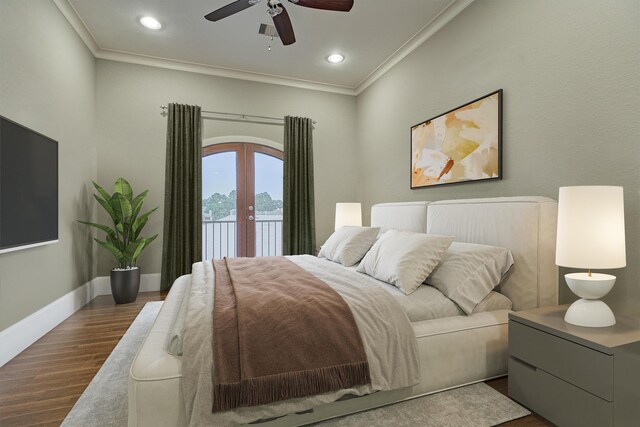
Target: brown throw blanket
(280, 333)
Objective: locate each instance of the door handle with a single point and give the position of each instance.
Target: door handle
(251, 218)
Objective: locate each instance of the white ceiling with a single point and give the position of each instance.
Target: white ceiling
(373, 35)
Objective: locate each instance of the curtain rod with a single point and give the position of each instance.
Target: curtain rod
(240, 117)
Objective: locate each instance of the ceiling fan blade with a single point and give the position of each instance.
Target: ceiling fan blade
(284, 27)
(337, 5)
(228, 10)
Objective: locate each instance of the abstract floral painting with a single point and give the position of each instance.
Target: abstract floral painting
(461, 145)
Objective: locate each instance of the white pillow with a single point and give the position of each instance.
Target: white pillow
(468, 272)
(349, 244)
(492, 302)
(404, 258)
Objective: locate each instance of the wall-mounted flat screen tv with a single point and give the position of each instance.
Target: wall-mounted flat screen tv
(28, 187)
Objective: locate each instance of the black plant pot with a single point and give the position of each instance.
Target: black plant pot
(125, 285)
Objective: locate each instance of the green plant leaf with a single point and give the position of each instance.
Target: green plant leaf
(141, 221)
(137, 227)
(117, 253)
(136, 205)
(105, 228)
(106, 196)
(107, 207)
(115, 242)
(133, 248)
(145, 243)
(123, 187)
(122, 208)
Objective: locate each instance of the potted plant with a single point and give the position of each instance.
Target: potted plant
(123, 240)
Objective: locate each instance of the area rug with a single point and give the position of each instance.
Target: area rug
(476, 405)
(105, 402)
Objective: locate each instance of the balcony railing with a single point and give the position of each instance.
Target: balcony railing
(219, 238)
(268, 237)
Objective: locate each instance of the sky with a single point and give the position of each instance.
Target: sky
(219, 174)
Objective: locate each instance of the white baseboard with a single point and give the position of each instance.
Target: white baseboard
(22, 334)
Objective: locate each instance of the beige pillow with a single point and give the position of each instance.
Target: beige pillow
(404, 258)
(492, 302)
(349, 244)
(468, 272)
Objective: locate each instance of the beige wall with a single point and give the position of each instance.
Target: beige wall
(570, 71)
(47, 83)
(132, 133)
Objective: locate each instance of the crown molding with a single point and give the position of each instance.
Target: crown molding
(70, 13)
(432, 27)
(193, 67)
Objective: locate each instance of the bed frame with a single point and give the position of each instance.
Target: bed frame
(457, 350)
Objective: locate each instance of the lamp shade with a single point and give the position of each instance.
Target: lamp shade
(348, 214)
(591, 227)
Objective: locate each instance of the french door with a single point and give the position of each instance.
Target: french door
(241, 200)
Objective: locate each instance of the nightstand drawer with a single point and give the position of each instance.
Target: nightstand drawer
(558, 401)
(581, 366)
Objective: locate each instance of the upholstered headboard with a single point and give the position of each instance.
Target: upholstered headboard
(408, 216)
(525, 225)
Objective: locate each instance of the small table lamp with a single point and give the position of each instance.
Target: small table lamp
(348, 214)
(590, 235)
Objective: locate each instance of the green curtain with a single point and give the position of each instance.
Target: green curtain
(182, 237)
(299, 229)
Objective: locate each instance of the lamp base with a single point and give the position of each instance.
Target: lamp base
(591, 313)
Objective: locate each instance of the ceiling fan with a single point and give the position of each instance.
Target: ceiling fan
(279, 14)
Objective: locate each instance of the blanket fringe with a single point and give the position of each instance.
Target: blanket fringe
(289, 385)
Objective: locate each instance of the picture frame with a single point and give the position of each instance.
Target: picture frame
(462, 145)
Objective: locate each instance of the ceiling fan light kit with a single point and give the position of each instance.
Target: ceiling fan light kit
(279, 14)
(268, 30)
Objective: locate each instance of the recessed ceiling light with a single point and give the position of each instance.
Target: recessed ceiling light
(336, 58)
(150, 22)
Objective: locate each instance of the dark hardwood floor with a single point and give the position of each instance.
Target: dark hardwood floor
(41, 384)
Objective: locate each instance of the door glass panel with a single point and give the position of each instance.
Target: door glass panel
(268, 205)
(219, 206)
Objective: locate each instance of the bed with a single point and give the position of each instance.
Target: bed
(453, 351)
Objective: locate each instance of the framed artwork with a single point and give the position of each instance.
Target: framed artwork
(461, 145)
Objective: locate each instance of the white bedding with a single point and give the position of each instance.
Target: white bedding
(426, 303)
(388, 339)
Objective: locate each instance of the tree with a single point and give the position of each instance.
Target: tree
(219, 205)
(264, 202)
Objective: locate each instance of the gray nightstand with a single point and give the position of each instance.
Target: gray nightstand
(572, 375)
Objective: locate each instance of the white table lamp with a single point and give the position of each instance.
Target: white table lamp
(590, 236)
(348, 214)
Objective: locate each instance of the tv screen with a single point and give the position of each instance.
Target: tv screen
(28, 187)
